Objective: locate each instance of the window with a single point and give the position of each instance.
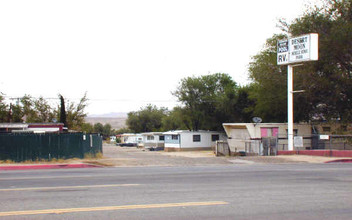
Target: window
(174, 137)
(215, 137)
(150, 138)
(196, 138)
(161, 138)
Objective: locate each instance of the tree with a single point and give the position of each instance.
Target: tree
(98, 128)
(208, 101)
(327, 83)
(123, 130)
(62, 114)
(107, 130)
(29, 113)
(44, 111)
(3, 109)
(16, 113)
(147, 119)
(269, 89)
(175, 120)
(76, 113)
(244, 106)
(87, 127)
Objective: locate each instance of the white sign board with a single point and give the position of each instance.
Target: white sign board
(299, 49)
(282, 52)
(324, 137)
(298, 141)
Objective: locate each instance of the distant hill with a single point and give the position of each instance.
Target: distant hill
(109, 115)
(117, 120)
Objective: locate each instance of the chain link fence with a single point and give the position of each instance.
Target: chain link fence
(271, 146)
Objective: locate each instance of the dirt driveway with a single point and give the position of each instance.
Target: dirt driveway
(131, 156)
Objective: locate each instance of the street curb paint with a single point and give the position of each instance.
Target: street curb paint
(47, 166)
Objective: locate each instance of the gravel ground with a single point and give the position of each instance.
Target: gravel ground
(131, 156)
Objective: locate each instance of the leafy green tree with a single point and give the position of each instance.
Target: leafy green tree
(98, 128)
(29, 113)
(327, 83)
(87, 127)
(3, 109)
(176, 120)
(107, 130)
(16, 113)
(44, 111)
(269, 87)
(147, 119)
(244, 107)
(208, 101)
(123, 130)
(76, 113)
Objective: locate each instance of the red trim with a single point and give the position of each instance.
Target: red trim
(323, 153)
(46, 166)
(60, 126)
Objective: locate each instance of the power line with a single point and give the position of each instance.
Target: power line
(93, 99)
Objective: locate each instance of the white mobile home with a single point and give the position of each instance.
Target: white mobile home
(192, 140)
(130, 139)
(153, 140)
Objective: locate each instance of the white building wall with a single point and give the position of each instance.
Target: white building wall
(240, 133)
(205, 139)
(169, 145)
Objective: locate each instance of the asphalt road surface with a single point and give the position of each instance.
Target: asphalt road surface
(276, 191)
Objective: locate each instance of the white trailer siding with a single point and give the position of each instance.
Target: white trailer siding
(192, 140)
(153, 140)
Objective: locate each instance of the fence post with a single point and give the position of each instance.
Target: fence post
(216, 148)
(330, 146)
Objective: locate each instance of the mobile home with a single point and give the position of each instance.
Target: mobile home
(183, 140)
(153, 140)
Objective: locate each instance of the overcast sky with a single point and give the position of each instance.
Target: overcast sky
(126, 54)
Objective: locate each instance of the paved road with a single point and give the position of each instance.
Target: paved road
(283, 191)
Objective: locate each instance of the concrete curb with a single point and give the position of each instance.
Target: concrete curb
(47, 166)
(340, 161)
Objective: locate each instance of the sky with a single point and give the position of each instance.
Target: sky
(127, 54)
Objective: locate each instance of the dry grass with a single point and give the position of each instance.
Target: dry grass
(87, 156)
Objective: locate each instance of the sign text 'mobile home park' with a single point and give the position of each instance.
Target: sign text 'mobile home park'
(298, 49)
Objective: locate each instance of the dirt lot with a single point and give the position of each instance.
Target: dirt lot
(131, 156)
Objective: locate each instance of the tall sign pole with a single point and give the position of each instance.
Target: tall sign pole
(294, 51)
(290, 106)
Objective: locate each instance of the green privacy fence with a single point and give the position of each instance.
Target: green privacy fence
(28, 146)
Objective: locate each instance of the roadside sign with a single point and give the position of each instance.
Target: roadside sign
(298, 141)
(324, 137)
(282, 52)
(296, 50)
(291, 51)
